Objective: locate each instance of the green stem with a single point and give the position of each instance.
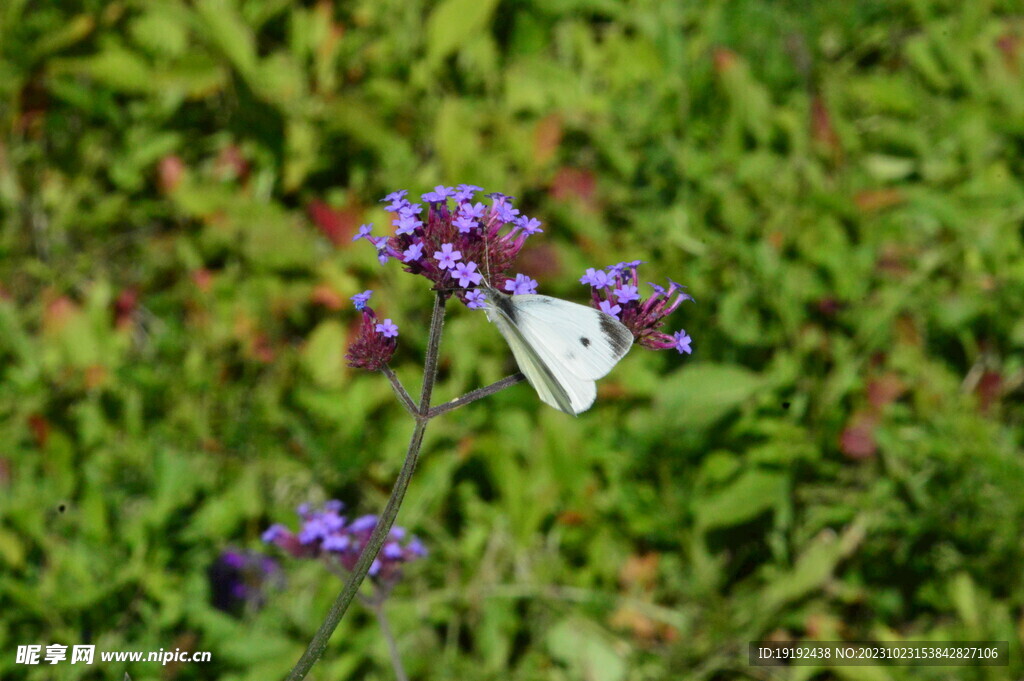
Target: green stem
(396, 658)
(400, 392)
(476, 395)
(387, 519)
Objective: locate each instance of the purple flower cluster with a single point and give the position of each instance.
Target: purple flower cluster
(375, 345)
(449, 242)
(615, 291)
(327, 535)
(240, 578)
(455, 238)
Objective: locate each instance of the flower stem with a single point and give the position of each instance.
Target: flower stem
(396, 659)
(400, 392)
(476, 395)
(319, 642)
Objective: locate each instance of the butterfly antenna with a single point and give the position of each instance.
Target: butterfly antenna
(487, 259)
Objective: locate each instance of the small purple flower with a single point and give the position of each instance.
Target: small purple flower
(360, 299)
(371, 350)
(469, 231)
(530, 226)
(678, 288)
(313, 530)
(239, 580)
(273, 532)
(466, 274)
(475, 211)
(682, 343)
(643, 317)
(618, 268)
(364, 232)
(336, 542)
(597, 279)
(381, 244)
(396, 199)
(465, 192)
(439, 194)
(476, 300)
(388, 328)
(608, 308)
(626, 294)
(465, 224)
(364, 523)
(505, 212)
(447, 257)
(340, 543)
(521, 285)
(407, 224)
(414, 252)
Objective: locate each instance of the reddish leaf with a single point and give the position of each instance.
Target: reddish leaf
(547, 136)
(337, 224)
(95, 376)
(124, 307)
(539, 261)
(875, 200)
(885, 390)
(35, 100)
(638, 624)
(203, 279)
(822, 130)
(57, 313)
(858, 438)
(989, 389)
(907, 332)
(571, 518)
(829, 306)
(1009, 44)
(262, 350)
(574, 183)
(170, 172)
(326, 296)
(231, 165)
(724, 59)
(893, 260)
(640, 570)
(40, 428)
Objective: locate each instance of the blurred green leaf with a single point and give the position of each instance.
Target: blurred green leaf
(700, 394)
(453, 23)
(587, 650)
(754, 492)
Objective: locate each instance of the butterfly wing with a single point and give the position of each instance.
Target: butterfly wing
(561, 347)
(587, 342)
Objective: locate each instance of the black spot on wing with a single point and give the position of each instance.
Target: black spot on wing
(504, 303)
(617, 335)
(584, 341)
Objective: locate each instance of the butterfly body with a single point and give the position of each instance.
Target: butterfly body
(561, 347)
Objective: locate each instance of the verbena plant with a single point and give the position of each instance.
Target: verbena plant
(446, 244)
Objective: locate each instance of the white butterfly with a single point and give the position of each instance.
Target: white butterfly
(561, 347)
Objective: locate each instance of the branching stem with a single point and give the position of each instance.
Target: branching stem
(422, 413)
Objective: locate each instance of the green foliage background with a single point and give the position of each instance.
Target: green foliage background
(840, 184)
